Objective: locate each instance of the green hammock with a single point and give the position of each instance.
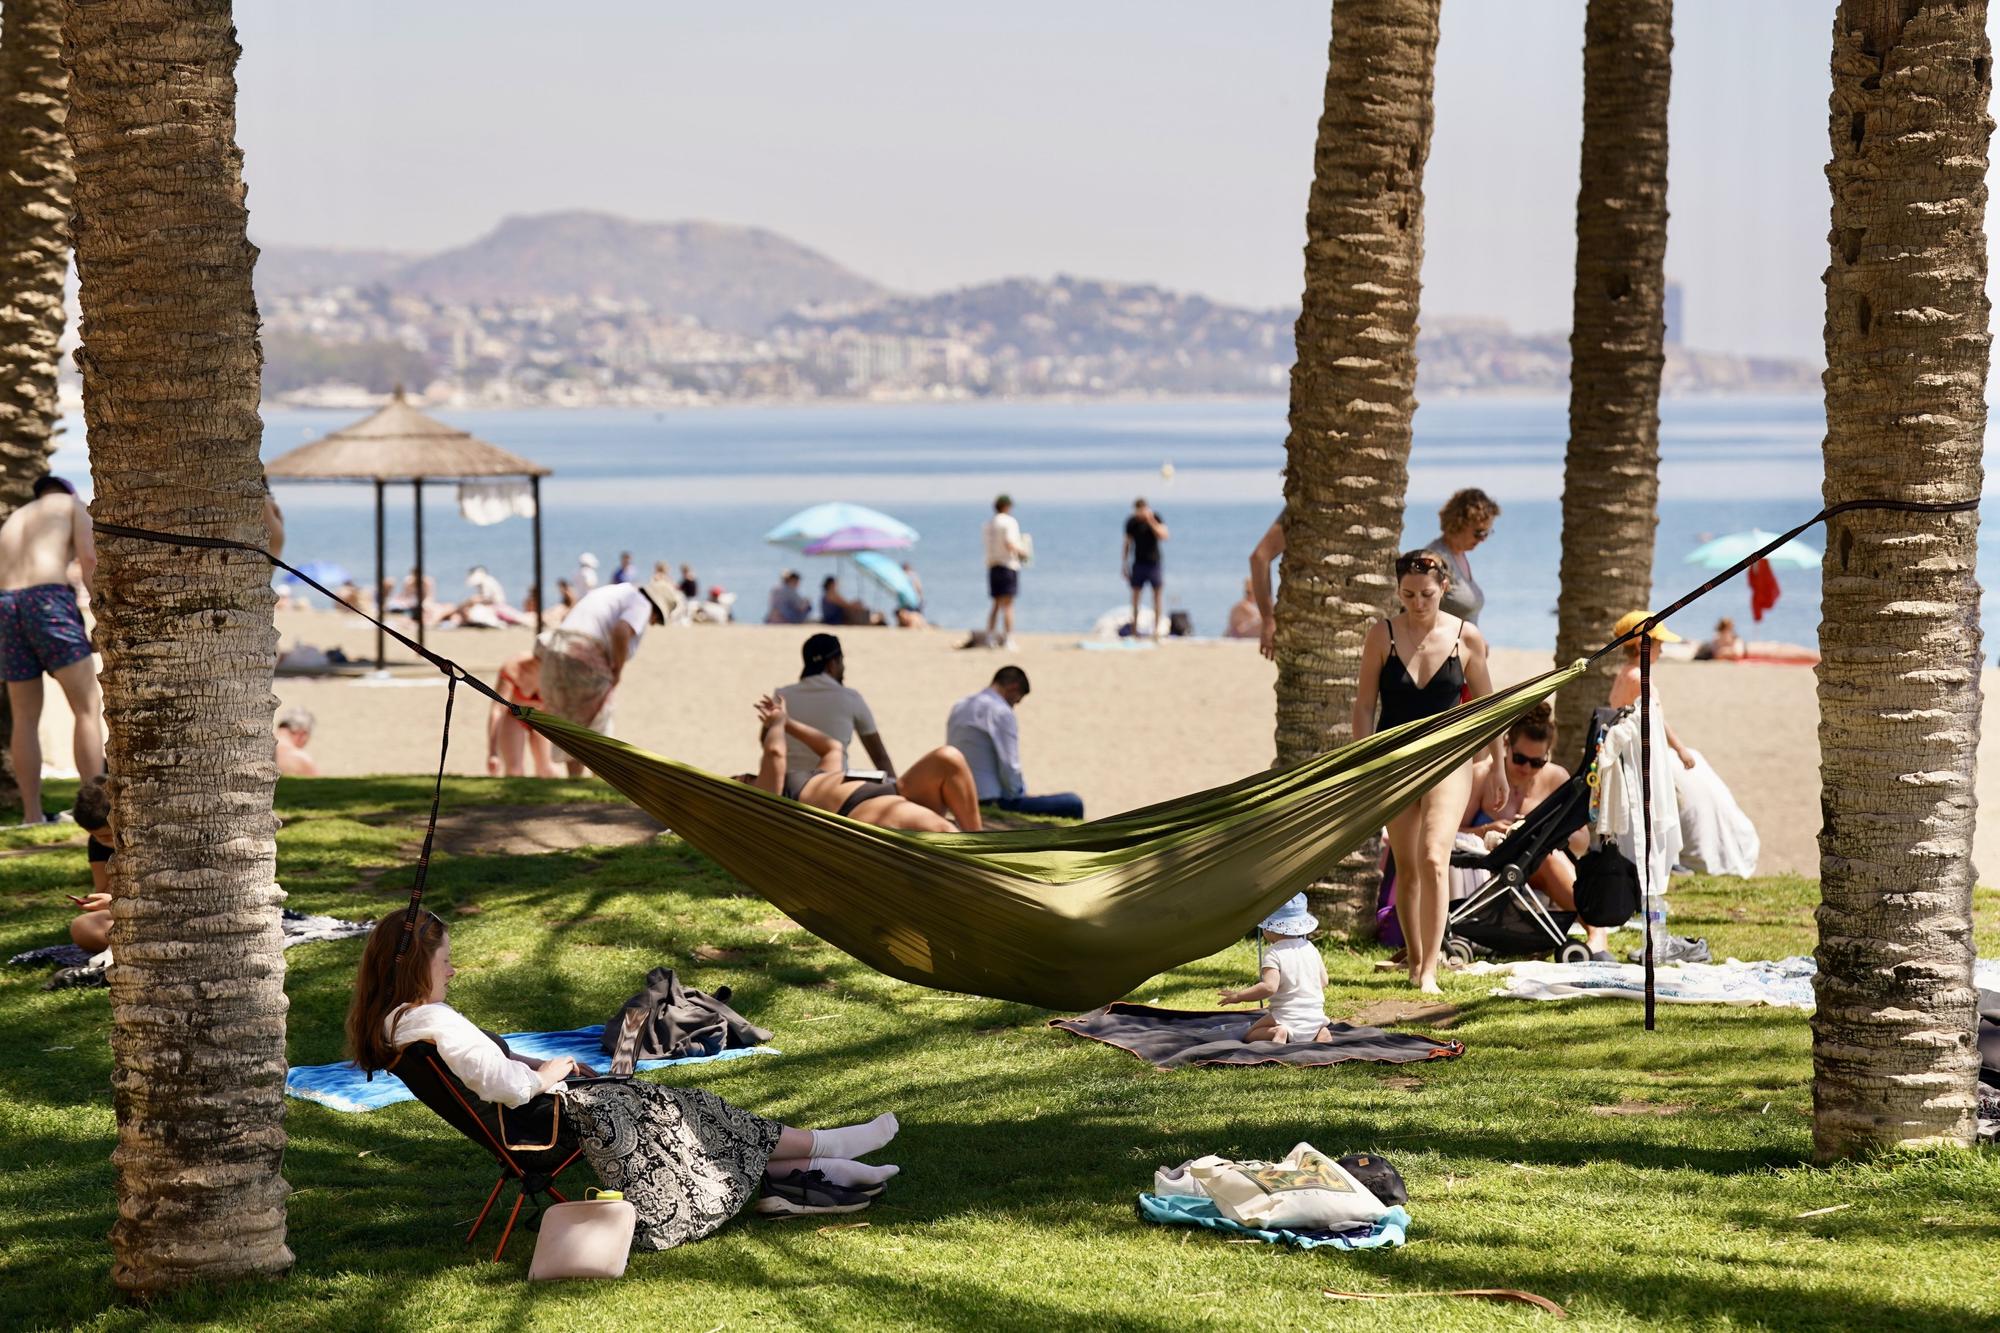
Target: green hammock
(1066, 918)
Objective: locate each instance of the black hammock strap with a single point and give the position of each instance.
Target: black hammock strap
(454, 673)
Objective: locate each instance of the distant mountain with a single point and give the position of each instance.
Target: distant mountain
(736, 279)
(298, 270)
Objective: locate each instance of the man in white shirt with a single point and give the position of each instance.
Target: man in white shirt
(822, 699)
(584, 658)
(984, 729)
(1004, 551)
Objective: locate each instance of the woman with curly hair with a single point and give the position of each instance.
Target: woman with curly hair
(1465, 521)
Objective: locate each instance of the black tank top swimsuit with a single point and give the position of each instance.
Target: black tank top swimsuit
(1404, 701)
(795, 785)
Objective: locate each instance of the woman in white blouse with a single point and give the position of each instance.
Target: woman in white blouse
(686, 1159)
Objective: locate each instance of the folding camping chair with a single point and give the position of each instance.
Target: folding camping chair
(533, 1144)
(1505, 915)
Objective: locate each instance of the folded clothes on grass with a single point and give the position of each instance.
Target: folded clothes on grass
(77, 968)
(1785, 983)
(1172, 1038)
(345, 1088)
(1189, 1211)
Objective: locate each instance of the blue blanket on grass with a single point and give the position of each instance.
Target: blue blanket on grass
(1181, 1210)
(345, 1088)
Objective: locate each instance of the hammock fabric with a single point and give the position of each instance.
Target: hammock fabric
(1066, 918)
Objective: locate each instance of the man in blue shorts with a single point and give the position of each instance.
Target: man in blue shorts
(1144, 532)
(41, 631)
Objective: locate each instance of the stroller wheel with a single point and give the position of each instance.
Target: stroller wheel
(1457, 951)
(1573, 951)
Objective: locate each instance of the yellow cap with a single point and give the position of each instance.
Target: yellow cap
(1631, 620)
(595, 1195)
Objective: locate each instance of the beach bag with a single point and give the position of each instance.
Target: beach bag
(588, 1238)
(1306, 1190)
(1607, 886)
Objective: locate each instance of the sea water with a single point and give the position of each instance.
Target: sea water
(702, 486)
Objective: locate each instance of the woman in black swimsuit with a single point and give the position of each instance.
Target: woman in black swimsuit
(1448, 656)
(937, 785)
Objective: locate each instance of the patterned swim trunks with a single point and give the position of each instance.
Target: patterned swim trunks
(40, 630)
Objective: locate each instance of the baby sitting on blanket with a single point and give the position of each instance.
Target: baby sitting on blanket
(1292, 977)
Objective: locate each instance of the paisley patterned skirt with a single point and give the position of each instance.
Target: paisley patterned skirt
(686, 1160)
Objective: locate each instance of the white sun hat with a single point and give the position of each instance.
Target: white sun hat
(1291, 919)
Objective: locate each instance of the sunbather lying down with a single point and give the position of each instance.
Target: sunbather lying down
(937, 785)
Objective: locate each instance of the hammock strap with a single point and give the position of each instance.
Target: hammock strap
(1646, 804)
(430, 829)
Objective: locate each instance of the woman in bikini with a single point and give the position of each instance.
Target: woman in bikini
(1448, 656)
(507, 739)
(937, 785)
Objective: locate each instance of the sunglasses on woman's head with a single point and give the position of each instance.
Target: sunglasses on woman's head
(1526, 762)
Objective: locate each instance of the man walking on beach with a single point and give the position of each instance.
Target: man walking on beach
(823, 700)
(41, 631)
(1004, 552)
(1144, 532)
(987, 733)
(584, 658)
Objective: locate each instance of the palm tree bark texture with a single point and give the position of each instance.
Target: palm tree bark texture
(1907, 344)
(1611, 474)
(171, 367)
(1353, 385)
(34, 256)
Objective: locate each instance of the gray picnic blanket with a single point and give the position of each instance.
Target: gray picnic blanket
(1174, 1038)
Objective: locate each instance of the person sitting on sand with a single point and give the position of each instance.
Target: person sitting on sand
(837, 610)
(1726, 646)
(1291, 975)
(686, 1160)
(983, 727)
(788, 606)
(1246, 621)
(508, 739)
(937, 785)
(1532, 776)
(295, 728)
(91, 928)
(823, 700)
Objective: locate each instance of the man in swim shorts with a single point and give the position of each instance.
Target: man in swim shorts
(41, 631)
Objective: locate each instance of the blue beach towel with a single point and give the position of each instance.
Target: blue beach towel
(345, 1088)
(1187, 1211)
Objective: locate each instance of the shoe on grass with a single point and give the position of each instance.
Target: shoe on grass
(808, 1193)
(1674, 949)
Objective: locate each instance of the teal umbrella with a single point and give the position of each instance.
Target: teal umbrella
(823, 520)
(1722, 552)
(890, 576)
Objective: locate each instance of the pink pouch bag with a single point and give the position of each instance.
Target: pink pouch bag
(589, 1238)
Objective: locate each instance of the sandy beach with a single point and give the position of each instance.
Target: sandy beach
(1123, 727)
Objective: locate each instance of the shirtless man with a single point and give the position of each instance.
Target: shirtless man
(1268, 549)
(41, 630)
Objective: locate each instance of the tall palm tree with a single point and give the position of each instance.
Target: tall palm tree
(170, 380)
(1611, 476)
(1354, 381)
(34, 255)
(1907, 343)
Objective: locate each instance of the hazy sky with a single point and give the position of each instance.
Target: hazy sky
(929, 145)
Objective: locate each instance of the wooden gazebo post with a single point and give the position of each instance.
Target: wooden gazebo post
(378, 597)
(417, 503)
(535, 489)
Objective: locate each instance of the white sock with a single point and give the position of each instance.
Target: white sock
(852, 1141)
(843, 1172)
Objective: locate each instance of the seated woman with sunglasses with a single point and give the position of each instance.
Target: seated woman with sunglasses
(1532, 776)
(687, 1160)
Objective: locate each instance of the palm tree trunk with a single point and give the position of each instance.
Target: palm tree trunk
(170, 378)
(1611, 475)
(1906, 349)
(34, 257)
(1353, 384)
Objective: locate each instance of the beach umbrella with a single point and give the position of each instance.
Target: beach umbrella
(326, 573)
(846, 541)
(889, 576)
(824, 520)
(1723, 552)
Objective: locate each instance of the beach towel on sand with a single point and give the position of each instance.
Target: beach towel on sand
(345, 1088)
(1174, 1038)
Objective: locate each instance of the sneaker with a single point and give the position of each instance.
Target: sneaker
(1601, 956)
(807, 1193)
(1674, 949)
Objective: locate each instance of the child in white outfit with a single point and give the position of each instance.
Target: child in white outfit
(1292, 978)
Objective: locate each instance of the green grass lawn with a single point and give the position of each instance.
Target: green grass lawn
(1022, 1147)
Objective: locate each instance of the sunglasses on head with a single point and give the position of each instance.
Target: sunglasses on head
(1526, 762)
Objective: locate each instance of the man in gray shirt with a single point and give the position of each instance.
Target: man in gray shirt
(984, 729)
(822, 699)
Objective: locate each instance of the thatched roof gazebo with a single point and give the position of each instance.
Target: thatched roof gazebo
(400, 444)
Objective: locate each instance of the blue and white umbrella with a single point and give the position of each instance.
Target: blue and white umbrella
(889, 576)
(823, 520)
(1722, 552)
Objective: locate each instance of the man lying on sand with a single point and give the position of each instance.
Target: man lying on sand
(936, 785)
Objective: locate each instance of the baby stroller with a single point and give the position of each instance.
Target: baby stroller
(1504, 915)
